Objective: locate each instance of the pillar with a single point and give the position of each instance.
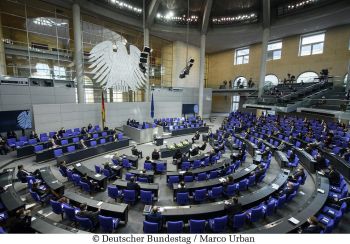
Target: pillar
(201, 74)
(3, 70)
(78, 53)
(266, 36)
(146, 43)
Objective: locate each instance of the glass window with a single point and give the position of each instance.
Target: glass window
(89, 95)
(59, 72)
(311, 44)
(274, 50)
(241, 56)
(345, 79)
(42, 71)
(307, 77)
(271, 80)
(235, 103)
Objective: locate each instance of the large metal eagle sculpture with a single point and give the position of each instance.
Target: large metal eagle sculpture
(116, 65)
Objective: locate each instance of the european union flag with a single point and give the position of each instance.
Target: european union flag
(152, 107)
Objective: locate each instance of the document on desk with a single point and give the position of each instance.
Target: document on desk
(97, 175)
(275, 186)
(294, 220)
(99, 203)
(320, 190)
(222, 179)
(246, 169)
(54, 182)
(78, 164)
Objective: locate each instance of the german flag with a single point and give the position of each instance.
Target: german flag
(103, 111)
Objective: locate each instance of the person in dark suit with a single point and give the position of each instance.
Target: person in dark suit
(313, 226)
(194, 151)
(33, 135)
(333, 176)
(259, 171)
(84, 213)
(203, 147)
(61, 131)
(292, 155)
(184, 158)
(178, 154)
(155, 154)
(212, 155)
(22, 174)
(181, 188)
(155, 217)
(108, 167)
(93, 184)
(144, 175)
(297, 174)
(232, 207)
(52, 143)
(21, 222)
(83, 131)
(4, 148)
(289, 189)
(132, 185)
(148, 160)
(11, 134)
(195, 137)
(89, 127)
(41, 191)
(63, 167)
(136, 152)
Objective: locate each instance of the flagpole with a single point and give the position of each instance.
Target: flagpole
(103, 111)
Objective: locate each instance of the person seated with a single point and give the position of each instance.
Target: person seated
(155, 154)
(84, 213)
(259, 171)
(148, 160)
(292, 155)
(336, 203)
(136, 152)
(289, 189)
(22, 174)
(33, 135)
(313, 226)
(11, 134)
(184, 157)
(193, 151)
(105, 128)
(144, 175)
(177, 154)
(333, 176)
(188, 173)
(203, 147)
(132, 185)
(155, 217)
(181, 187)
(52, 143)
(232, 208)
(108, 167)
(63, 167)
(4, 148)
(81, 144)
(195, 137)
(89, 127)
(299, 173)
(83, 131)
(93, 184)
(41, 190)
(21, 223)
(61, 131)
(212, 154)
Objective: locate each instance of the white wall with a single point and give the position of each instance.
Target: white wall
(22, 97)
(179, 63)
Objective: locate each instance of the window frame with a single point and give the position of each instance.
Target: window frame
(243, 57)
(301, 45)
(274, 50)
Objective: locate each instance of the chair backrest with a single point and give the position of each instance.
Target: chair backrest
(185, 166)
(202, 177)
(175, 226)
(197, 226)
(217, 190)
(149, 227)
(270, 207)
(148, 166)
(84, 222)
(102, 141)
(213, 174)
(95, 135)
(129, 195)
(196, 164)
(128, 176)
(146, 197)
(104, 134)
(70, 212)
(182, 198)
(126, 163)
(239, 220)
(257, 213)
(56, 207)
(188, 178)
(231, 189)
(113, 192)
(93, 143)
(71, 148)
(106, 223)
(143, 179)
(64, 142)
(174, 179)
(57, 152)
(35, 196)
(219, 224)
(160, 167)
(32, 141)
(85, 186)
(38, 148)
(75, 140)
(200, 195)
(98, 169)
(281, 200)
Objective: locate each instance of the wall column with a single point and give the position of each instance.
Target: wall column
(266, 36)
(78, 53)
(146, 43)
(201, 74)
(3, 70)
(348, 79)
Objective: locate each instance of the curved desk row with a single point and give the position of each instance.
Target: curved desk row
(211, 210)
(99, 178)
(191, 130)
(153, 187)
(10, 199)
(118, 210)
(51, 181)
(93, 151)
(167, 152)
(310, 208)
(197, 171)
(44, 225)
(208, 184)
